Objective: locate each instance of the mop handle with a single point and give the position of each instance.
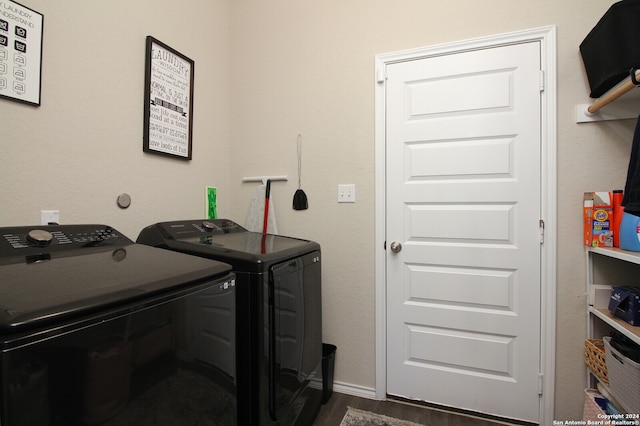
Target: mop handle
(266, 207)
(299, 161)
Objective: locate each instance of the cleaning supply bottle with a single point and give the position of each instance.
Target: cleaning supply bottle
(630, 232)
(618, 211)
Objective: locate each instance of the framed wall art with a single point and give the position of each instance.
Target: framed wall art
(20, 52)
(168, 101)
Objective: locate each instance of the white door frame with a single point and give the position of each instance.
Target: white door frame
(547, 38)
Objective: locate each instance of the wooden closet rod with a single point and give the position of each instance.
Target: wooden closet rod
(613, 95)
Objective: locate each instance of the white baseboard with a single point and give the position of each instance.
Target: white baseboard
(347, 388)
(355, 390)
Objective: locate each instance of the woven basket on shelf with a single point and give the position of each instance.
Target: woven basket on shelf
(594, 357)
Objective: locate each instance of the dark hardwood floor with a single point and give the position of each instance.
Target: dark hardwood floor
(331, 414)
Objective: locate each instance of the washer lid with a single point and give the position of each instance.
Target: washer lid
(67, 284)
(251, 243)
(224, 240)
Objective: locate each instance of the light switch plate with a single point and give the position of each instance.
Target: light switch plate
(347, 193)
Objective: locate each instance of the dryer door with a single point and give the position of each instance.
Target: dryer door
(295, 330)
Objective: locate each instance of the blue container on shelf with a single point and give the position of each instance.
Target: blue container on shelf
(630, 232)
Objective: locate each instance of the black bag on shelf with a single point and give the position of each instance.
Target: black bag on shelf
(625, 346)
(611, 48)
(631, 197)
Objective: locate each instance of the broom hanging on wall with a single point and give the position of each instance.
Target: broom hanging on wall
(300, 198)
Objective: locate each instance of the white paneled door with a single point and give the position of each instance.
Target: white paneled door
(463, 185)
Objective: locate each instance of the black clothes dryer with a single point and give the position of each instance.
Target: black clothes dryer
(98, 330)
(279, 314)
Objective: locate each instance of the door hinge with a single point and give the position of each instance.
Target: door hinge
(541, 80)
(541, 231)
(381, 75)
(540, 383)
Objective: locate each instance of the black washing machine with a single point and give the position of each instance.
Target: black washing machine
(98, 330)
(279, 314)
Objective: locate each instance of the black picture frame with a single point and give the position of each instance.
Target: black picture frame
(168, 101)
(21, 35)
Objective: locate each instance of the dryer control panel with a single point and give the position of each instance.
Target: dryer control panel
(57, 237)
(179, 230)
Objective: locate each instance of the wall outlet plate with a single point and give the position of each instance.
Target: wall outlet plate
(49, 216)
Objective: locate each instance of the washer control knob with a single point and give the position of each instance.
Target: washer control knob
(208, 226)
(40, 237)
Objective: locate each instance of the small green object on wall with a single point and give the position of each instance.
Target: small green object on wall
(211, 209)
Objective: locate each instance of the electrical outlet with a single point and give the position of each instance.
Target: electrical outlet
(49, 216)
(347, 193)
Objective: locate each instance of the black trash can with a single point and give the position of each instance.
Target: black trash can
(328, 362)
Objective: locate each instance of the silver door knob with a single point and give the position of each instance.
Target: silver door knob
(396, 247)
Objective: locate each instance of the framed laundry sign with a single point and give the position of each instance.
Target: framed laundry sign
(168, 101)
(20, 52)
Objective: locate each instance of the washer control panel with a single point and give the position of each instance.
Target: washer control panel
(58, 237)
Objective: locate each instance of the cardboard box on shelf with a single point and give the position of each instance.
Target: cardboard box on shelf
(597, 213)
(625, 304)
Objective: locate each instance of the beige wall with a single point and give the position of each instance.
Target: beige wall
(264, 72)
(83, 146)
